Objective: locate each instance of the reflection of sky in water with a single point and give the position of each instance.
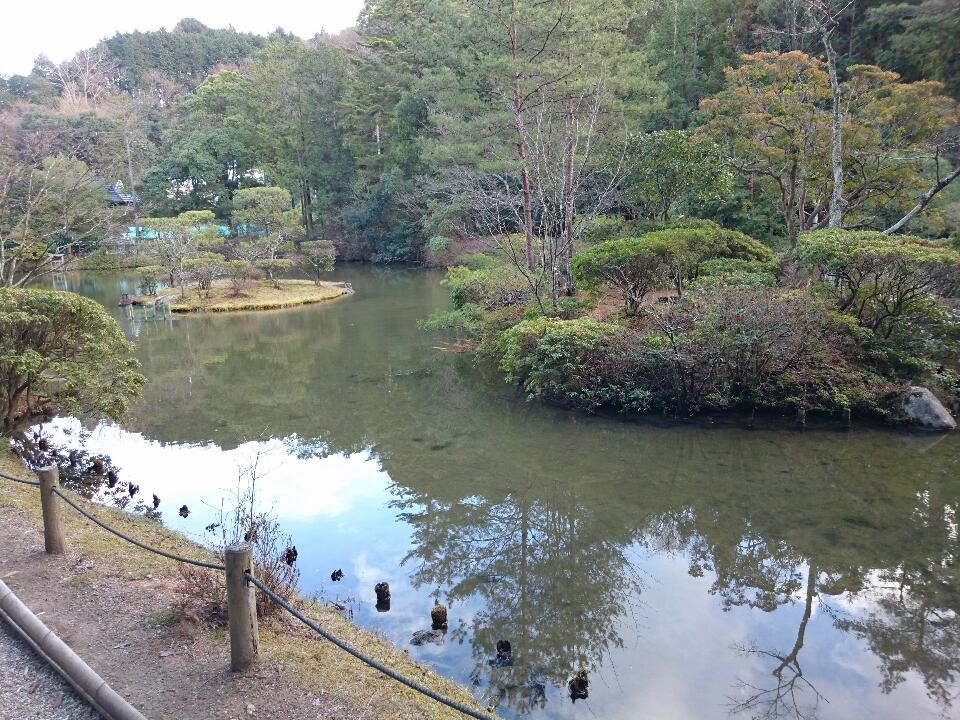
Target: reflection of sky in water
(679, 659)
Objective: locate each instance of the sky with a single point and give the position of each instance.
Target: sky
(60, 28)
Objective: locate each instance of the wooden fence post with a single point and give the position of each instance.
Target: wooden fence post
(241, 608)
(50, 505)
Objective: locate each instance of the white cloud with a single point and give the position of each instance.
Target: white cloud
(297, 489)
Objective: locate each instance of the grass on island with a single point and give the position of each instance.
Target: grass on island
(315, 664)
(262, 295)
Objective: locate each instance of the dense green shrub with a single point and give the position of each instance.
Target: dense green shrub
(580, 363)
(756, 347)
(204, 270)
(711, 351)
(632, 266)
(615, 227)
(104, 262)
(274, 268)
(494, 286)
(884, 281)
(316, 259)
(61, 351)
(732, 272)
(477, 261)
(150, 279)
(635, 266)
(439, 245)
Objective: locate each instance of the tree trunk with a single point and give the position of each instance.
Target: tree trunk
(521, 148)
(836, 157)
(924, 200)
(568, 202)
(308, 212)
(133, 196)
(788, 200)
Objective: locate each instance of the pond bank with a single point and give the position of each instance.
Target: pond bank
(261, 295)
(119, 608)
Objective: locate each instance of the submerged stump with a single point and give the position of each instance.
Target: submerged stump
(579, 685)
(439, 617)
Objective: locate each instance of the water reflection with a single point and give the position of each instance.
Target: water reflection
(691, 571)
(556, 572)
(553, 580)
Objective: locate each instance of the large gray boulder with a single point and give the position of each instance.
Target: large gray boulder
(922, 408)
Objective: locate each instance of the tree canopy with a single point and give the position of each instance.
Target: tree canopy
(62, 352)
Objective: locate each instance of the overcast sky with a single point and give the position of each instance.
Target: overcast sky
(59, 28)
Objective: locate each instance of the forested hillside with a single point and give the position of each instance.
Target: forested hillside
(436, 121)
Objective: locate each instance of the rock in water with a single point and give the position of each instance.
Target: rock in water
(422, 637)
(922, 408)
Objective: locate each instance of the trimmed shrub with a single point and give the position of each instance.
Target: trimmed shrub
(579, 363)
(492, 287)
(881, 280)
(634, 266)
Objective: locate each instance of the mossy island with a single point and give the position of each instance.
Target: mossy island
(261, 295)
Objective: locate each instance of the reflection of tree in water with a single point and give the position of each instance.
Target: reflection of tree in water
(911, 623)
(914, 621)
(791, 694)
(555, 581)
(549, 567)
(752, 567)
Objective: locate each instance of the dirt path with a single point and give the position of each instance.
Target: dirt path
(30, 690)
(118, 625)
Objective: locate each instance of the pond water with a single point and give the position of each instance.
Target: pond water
(696, 572)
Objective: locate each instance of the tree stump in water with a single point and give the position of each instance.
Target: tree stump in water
(439, 617)
(579, 685)
(504, 656)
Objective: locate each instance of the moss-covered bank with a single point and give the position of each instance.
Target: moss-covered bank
(261, 295)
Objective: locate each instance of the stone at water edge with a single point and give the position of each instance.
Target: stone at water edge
(924, 409)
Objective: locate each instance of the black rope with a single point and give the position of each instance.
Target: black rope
(368, 660)
(172, 556)
(20, 480)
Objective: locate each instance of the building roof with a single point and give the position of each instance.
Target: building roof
(115, 194)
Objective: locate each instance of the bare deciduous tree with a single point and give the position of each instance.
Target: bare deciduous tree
(85, 82)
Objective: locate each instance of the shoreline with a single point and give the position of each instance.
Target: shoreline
(261, 296)
(298, 671)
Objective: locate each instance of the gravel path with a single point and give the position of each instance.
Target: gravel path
(30, 690)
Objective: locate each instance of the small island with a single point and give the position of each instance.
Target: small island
(261, 295)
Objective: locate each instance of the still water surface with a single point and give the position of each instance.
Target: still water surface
(696, 572)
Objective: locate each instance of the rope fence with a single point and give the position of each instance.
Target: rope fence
(244, 636)
(123, 536)
(35, 483)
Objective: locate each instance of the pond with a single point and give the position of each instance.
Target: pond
(696, 572)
